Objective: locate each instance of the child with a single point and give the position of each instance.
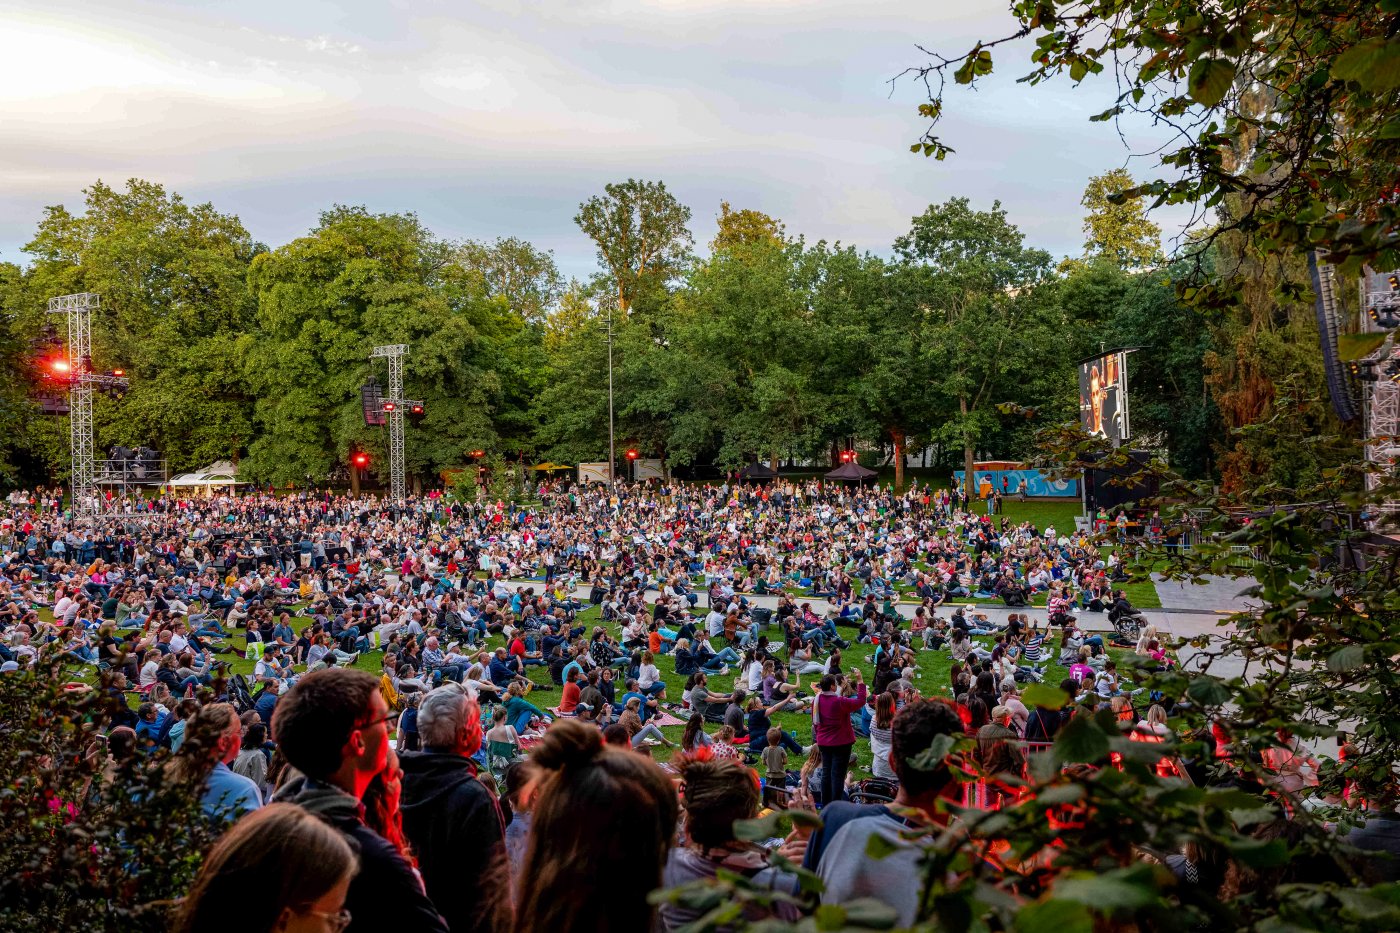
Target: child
(775, 758)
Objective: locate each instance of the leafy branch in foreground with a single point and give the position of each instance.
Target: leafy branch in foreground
(1291, 105)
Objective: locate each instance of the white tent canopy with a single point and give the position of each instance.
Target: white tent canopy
(219, 473)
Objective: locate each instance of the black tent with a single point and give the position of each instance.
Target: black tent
(757, 473)
(851, 473)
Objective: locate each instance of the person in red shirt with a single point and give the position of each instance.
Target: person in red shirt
(832, 732)
(569, 700)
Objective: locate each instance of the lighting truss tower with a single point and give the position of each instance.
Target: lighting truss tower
(82, 383)
(394, 404)
(1380, 298)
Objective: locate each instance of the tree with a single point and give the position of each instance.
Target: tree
(172, 280)
(524, 277)
(1265, 373)
(324, 300)
(641, 234)
(744, 228)
(739, 370)
(970, 275)
(1289, 105)
(1116, 227)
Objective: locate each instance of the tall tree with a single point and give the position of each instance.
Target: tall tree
(172, 280)
(744, 228)
(324, 300)
(1116, 228)
(970, 274)
(641, 233)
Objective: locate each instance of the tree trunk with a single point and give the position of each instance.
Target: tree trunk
(773, 460)
(968, 486)
(354, 480)
(898, 437)
(835, 453)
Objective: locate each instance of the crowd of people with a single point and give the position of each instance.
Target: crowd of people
(439, 733)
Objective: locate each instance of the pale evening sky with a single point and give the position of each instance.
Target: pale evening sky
(494, 118)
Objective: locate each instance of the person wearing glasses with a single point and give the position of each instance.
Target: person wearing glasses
(300, 866)
(333, 727)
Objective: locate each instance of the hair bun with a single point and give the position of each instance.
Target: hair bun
(567, 744)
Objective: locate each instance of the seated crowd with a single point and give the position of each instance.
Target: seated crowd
(391, 761)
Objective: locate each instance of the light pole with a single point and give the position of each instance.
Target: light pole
(612, 449)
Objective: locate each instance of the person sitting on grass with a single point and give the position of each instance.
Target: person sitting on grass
(640, 733)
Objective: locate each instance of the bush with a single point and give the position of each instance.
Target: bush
(90, 842)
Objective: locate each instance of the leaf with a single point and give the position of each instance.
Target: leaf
(1054, 916)
(1210, 80)
(1373, 63)
(1044, 696)
(1105, 892)
(1208, 691)
(1081, 739)
(878, 847)
(1347, 658)
(868, 912)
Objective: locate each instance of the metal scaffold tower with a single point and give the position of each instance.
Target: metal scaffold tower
(394, 404)
(82, 383)
(1380, 302)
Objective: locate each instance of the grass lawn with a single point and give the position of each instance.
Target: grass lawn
(931, 679)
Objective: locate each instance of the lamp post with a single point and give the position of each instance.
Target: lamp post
(612, 449)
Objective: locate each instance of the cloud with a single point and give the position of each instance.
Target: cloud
(499, 117)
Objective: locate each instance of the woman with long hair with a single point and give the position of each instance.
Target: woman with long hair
(880, 738)
(599, 813)
(278, 869)
(381, 806)
(212, 740)
(694, 736)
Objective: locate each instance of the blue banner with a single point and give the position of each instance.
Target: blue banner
(1037, 483)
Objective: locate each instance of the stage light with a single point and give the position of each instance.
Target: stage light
(361, 460)
(389, 406)
(632, 454)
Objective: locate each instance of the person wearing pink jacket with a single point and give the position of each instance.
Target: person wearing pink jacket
(833, 734)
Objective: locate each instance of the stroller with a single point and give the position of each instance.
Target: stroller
(1127, 626)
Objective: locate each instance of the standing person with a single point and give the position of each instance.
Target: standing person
(599, 813)
(450, 818)
(832, 732)
(333, 727)
(297, 868)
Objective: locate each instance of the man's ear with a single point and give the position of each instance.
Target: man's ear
(283, 919)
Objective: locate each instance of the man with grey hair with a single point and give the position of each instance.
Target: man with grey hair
(451, 820)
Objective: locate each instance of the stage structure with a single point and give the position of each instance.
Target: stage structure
(1380, 313)
(82, 384)
(394, 405)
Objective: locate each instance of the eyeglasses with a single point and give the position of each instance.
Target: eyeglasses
(334, 922)
(374, 722)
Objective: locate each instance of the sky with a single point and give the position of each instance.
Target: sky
(495, 118)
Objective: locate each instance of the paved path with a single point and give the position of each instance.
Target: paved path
(1188, 611)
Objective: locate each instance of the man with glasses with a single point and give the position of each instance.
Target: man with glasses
(333, 727)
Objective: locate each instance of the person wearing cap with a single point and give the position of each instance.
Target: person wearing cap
(451, 820)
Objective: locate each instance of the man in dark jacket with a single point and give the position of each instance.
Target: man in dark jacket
(451, 820)
(333, 727)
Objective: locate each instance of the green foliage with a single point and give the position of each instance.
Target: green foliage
(641, 233)
(90, 843)
(359, 280)
(1289, 105)
(172, 280)
(1116, 227)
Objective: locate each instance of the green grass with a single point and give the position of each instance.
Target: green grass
(930, 679)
